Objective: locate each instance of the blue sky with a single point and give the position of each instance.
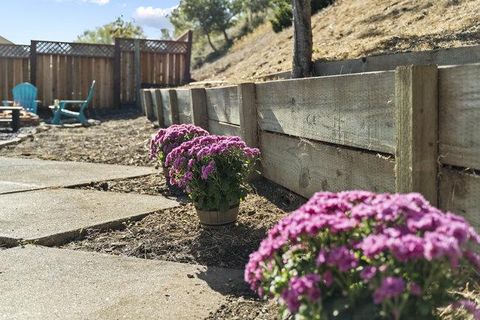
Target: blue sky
(62, 20)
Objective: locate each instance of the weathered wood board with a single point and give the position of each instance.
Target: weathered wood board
(416, 118)
(441, 57)
(306, 167)
(12, 72)
(184, 108)
(459, 115)
(223, 129)
(167, 114)
(460, 193)
(222, 104)
(353, 110)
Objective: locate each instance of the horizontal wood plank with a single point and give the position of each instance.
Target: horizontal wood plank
(222, 104)
(223, 129)
(459, 115)
(184, 108)
(441, 57)
(354, 110)
(459, 193)
(306, 167)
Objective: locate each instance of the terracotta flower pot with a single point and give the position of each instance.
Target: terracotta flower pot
(217, 217)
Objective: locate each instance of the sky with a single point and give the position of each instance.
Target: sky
(63, 20)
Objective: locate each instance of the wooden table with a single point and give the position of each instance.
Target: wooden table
(15, 120)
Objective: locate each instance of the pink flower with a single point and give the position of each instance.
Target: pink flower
(389, 288)
(368, 273)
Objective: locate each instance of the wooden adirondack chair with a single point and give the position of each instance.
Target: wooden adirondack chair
(25, 95)
(62, 111)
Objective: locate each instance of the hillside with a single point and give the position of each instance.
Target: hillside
(352, 29)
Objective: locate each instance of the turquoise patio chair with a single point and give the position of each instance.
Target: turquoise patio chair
(62, 111)
(25, 95)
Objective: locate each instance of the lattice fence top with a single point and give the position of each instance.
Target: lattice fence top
(14, 51)
(75, 49)
(157, 46)
(93, 50)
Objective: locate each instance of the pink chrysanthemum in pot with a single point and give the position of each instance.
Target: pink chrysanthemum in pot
(358, 253)
(213, 171)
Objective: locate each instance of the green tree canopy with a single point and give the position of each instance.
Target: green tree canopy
(107, 33)
(208, 16)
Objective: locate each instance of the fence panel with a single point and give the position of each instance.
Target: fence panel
(306, 167)
(459, 116)
(184, 107)
(222, 104)
(353, 110)
(63, 70)
(12, 72)
(459, 193)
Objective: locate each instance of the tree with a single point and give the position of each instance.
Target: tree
(302, 39)
(107, 33)
(165, 34)
(208, 16)
(282, 12)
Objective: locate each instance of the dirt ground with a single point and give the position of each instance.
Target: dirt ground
(122, 140)
(352, 29)
(172, 234)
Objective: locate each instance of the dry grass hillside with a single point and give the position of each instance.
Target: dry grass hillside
(352, 29)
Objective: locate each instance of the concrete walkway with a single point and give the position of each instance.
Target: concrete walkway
(28, 174)
(54, 216)
(51, 283)
(47, 283)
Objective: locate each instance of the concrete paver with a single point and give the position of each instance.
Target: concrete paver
(52, 216)
(18, 174)
(49, 283)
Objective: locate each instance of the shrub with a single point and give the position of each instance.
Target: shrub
(212, 170)
(165, 140)
(380, 255)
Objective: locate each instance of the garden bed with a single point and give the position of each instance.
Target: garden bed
(122, 140)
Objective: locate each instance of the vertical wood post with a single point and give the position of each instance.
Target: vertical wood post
(172, 98)
(147, 104)
(158, 105)
(248, 114)
(117, 75)
(416, 113)
(249, 119)
(141, 100)
(138, 72)
(188, 56)
(198, 101)
(33, 62)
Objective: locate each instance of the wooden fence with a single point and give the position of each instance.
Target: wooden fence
(63, 70)
(414, 128)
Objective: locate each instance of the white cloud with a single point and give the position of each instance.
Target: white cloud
(153, 17)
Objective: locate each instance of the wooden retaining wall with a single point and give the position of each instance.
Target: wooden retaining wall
(411, 129)
(63, 70)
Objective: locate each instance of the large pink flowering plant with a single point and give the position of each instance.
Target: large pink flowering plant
(354, 255)
(165, 140)
(212, 170)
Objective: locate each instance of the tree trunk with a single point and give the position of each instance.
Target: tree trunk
(210, 42)
(302, 46)
(225, 35)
